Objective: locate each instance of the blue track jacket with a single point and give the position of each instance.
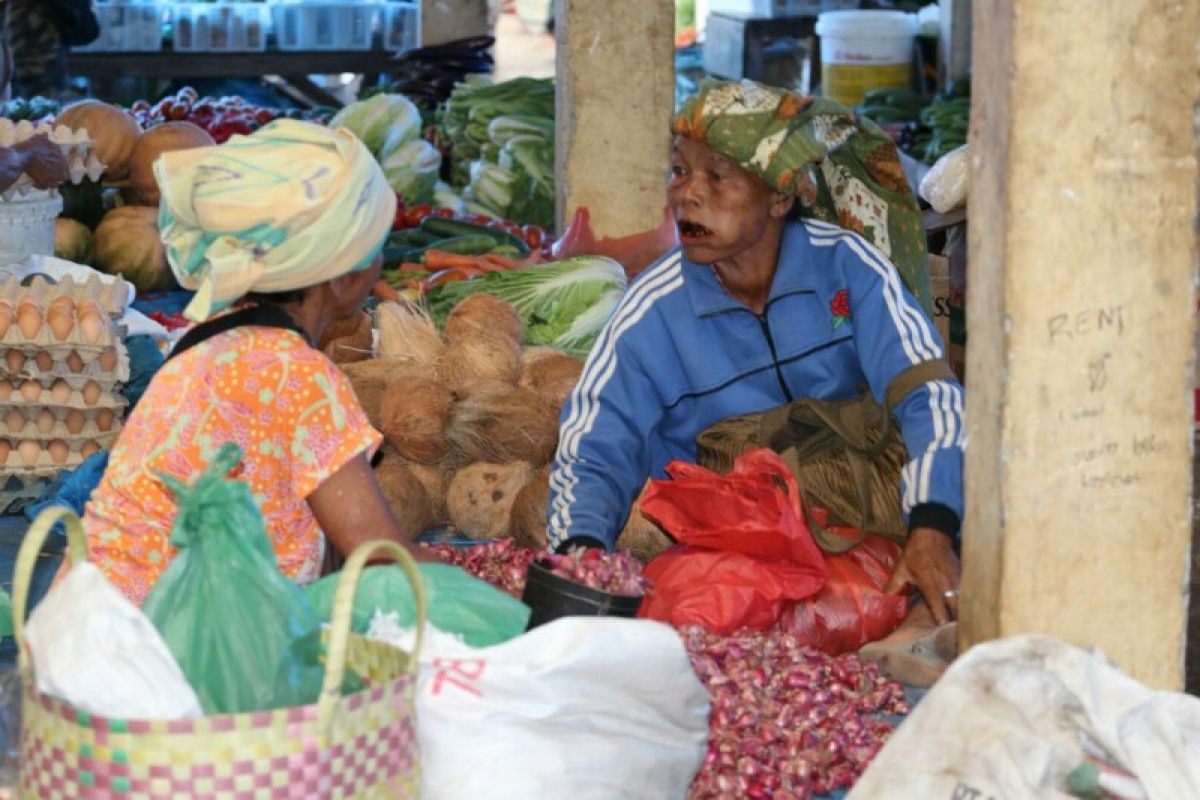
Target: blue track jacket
(679, 354)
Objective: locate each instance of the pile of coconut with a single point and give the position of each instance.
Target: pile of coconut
(469, 416)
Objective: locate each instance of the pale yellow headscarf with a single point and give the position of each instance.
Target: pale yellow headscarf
(288, 207)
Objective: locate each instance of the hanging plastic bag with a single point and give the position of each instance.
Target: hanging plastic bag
(746, 548)
(236, 625)
(458, 603)
(851, 609)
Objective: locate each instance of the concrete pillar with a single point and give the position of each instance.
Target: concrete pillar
(616, 94)
(954, 39)
(1080, 321)
(447, 20)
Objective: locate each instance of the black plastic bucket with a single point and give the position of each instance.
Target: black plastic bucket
(551, 596)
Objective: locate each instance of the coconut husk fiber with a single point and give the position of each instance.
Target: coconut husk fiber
(641, 537)
(503, 425)
(528, 518)
(406, 331)
(487, 314)
(354, 341)
(406, 496)
(414, 417)
(481, 496)
(477, 360)
(553, 377)
(370, 380)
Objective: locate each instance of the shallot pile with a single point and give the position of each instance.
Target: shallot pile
(501, 563)
(614, 573)
(787, 722)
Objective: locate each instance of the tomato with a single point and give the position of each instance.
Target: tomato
(140, 106)
(178, 111)
(444, 213)
(479, 219)
(414, 215)
(188, 92)
(534, 236)
(264, 115)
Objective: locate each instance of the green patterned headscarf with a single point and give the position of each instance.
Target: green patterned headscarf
(841, 169)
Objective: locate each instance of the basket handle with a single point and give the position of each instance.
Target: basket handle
(27, 556)
(343, 605)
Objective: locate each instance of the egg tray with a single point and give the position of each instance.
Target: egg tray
(109, 294)
(20, 488)
(75, 145)
(89, 368)
(74, 444)
(104, 335)
(105, 400)
(10, 387)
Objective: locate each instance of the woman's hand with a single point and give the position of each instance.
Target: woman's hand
(351, 510)
(929, 563)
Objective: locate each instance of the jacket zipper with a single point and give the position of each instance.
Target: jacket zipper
(766, 329)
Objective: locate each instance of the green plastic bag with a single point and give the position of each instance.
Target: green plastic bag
(6, 625)
(238, 628)
(458, 603)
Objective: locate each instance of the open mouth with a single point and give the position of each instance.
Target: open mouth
(693, 230)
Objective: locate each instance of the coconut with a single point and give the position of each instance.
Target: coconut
(434, 481)
(641, 537)
(528, 518)
(405, 495)
(481, 496)
(370, 379)
(414, 415)
(484, 313)
(341, 328)
(472, 361)
(553, 377)
(407, 331)
(502, 426)
(358, 345)
(532, 355)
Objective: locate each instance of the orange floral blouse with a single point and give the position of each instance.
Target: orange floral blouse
(286, 405)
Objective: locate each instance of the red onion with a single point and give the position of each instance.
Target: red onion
(501, 563)
(615, 573)
(787, 722)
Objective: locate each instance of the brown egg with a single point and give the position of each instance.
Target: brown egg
(60, 391)
(89, 449)
(74, 361)
(30, 391)
(29, 450)
(75, 421)
(14, 360)
(91, 393)
(45, 420)
(59, 451)
(5, 449)
(29, 318)
(6, 316)
(6, 389)
(91, 320)
(105, 419)
(60, 320)
(108, 360)
(44, 361)
(14, 420)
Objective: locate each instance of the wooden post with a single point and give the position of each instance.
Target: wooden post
(616, 94)
(1080, 322)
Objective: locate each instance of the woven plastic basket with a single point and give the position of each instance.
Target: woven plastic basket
(362, 745)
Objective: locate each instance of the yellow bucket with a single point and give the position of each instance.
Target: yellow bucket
(864, 50)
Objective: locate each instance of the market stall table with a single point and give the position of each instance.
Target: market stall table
(293, 66)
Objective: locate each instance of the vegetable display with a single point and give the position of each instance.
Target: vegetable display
(501, 138)
(127, 244)
(221, 117)
(926, 131)
(390, 126)
(428, 75)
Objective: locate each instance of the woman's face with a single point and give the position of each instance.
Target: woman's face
(720, 208)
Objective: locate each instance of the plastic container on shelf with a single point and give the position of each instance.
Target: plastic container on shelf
(324, 26)
(127, 26)
(27, 224)
(402, 25)
(223, 27)
(779, 8)
(864, 50)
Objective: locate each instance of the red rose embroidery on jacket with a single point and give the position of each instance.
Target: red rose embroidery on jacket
(840, 308)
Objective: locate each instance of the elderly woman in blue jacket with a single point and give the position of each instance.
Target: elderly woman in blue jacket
(799, 234)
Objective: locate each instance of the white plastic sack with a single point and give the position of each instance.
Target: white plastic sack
(94, 649)
(1013, 718)
(945, 185)
(580, 709)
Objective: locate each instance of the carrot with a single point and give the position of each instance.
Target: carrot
(410, 266)
(451, 275)
(440, 259)
(386, 292)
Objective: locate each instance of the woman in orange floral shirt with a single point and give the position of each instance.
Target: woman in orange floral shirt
(292, 219)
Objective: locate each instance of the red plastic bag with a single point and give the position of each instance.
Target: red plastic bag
(634, 253)
(746, 549)
(851, 609)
